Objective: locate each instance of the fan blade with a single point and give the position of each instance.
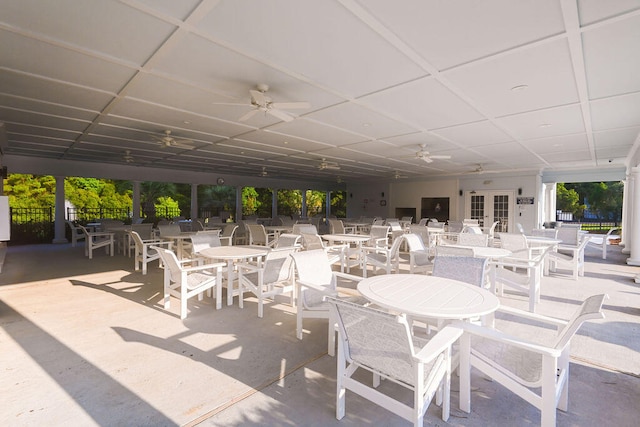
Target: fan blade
(290, 105)
(280, 114)
(441, 157)
(248, 115)
(427, 159)
(258, 97)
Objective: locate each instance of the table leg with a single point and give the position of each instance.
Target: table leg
(230, 279)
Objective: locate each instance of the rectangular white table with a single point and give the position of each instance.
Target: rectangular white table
(357, 239)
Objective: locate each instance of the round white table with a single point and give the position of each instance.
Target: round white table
(357, 239)
(178, 240)
(233, 254)
(428, 296)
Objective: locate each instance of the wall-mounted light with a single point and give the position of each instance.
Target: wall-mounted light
(382, 194)
(473, 192)
(519, 191)
(351, 195)
(461, 192)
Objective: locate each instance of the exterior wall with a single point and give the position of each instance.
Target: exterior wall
(365, 200)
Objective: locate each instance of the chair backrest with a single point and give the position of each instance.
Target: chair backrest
(288, 240)
(228, 230)
(406, 219)
(415, 242)
(305, 228)
(569, 235)
(454, 226)
(545, 232)
(469, 239)
(394, 250)
(469, 221)
(378, 232)
(107, 224)
(492, 230)
(591, 308)
(137, 240)
(471, 229)
(169, 229)
(336, 226)
(277, 265)
(390, 351)
(453, 250)
(463, 268)
(144, 230)
(257, 234)
(513, 241)
(74, 228)
(202, 241)
(420, 230)
(170, 262)
(313, 267)
(312, 242)
(423, 221)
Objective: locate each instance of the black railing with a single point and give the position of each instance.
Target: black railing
(31, 225)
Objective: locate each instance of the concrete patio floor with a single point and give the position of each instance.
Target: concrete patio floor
(86, 342)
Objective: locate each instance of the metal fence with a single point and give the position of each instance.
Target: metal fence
(31, 225)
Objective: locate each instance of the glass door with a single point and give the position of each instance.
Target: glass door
(490, 206)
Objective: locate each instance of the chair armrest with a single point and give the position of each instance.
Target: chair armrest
(532, 316)
(439, 343)
(495, 335)
(347, 276)
(218, 265)
(249, 267)
(313, 286)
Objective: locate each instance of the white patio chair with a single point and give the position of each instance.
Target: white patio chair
(522, 275)
(168, 230)
(453, 250)
(273, 277)
(315, 280)
(379, 236)
(286, 240)
(304, 228)
(418, 254)
(336, 226)
(463, 268)
(259, 236)
(569, 256)
(97, 239)
(145, 231)
(524, 357)
(335, 253)
(76, 233)
(551, 233)
(471, 239)
(454, 226)
(386, 258)
(517, 244)
(144, 253)
(382, 343)
(226, 238)
(185, 282)
(602, 241)
(423, 221)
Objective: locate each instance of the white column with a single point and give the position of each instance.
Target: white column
(238, 204)
(59, 223)
(627, 212)
(634, 237)
(194, 201)
(625, 209)
(274, 203)
(136, 201)
(328, 205)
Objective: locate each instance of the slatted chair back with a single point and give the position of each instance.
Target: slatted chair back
(469, 239)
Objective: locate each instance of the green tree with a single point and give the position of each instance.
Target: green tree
(289, 202)
(30, 191)
(250, 203)
(604, 199)
(151, 192)
(568, 200)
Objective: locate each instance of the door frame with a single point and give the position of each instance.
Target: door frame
(488, 205)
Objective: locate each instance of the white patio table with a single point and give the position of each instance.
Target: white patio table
(543, 242)
(233, 254)
(357, 239)
(429, 296)
(178, 241)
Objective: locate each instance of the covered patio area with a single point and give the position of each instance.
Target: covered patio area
(87, 342)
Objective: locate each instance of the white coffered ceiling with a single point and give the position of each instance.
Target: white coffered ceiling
(512, 85)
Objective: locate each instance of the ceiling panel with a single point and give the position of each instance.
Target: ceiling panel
(424, 103)
(616, 138)
(314, 131)
(333, 48)
(47, 60)
(558, 144)
(472, 134)
(544, 123)
(616, 112)
(452, 33)
(597, 10)
(545, 69)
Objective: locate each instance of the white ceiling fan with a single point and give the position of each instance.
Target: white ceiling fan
(261, 102)
(264, 172)
(424, 155)
(325, 165)
(169, 141)
(398, 175)
(127, 157)
(479, 169)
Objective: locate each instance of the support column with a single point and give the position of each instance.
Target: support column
(274, 204)
(136, 201)
(194, 201)
(627, 212)
(304, 204)
(634, 237)
(328, 205)
(59, 223)
(238, 205)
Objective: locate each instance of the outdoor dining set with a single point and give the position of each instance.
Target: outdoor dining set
(409, 302)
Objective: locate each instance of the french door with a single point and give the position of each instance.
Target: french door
(490, 206)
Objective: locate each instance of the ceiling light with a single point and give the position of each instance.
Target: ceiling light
(545, 125)
(366, 125)
(520, 88)
(187, 122)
